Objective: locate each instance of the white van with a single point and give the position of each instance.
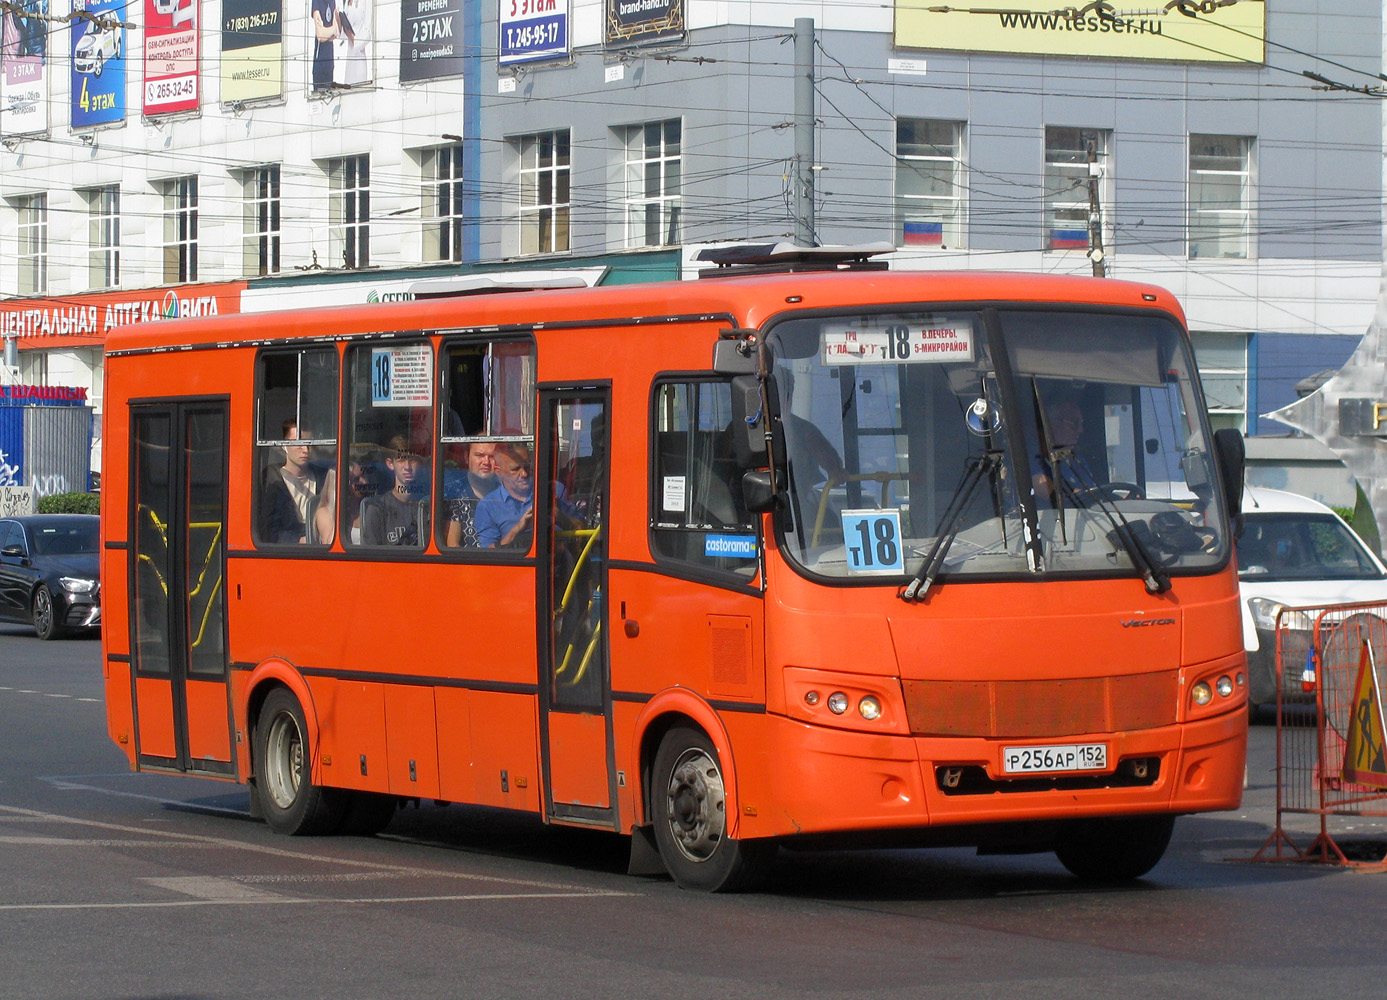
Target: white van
(1295, 552)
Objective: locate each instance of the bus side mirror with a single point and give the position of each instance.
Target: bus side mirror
(1228, 446)
(757, 493)
(735, 356)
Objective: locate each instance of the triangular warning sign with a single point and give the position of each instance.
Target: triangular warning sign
(1365, 755)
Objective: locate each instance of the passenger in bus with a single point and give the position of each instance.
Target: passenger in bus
(361, 483)
(290, 491)
(505, 516)
(480, 480)
(399, 517)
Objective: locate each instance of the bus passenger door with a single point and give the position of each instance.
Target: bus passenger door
(571, 486)
(178, 603)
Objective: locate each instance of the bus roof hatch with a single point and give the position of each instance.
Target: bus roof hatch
(778, 258)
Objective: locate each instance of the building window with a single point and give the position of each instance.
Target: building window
(32, 213)
(260, 216)
(103, 236)
(180, 229)
(441, 170)
(654, 179)
(543, 174)
(1220, 196)
(1222, 362)
(349, 212)
(1073, 158)
(929, 183)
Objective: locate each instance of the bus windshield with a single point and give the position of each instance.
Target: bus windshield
(1082, 452)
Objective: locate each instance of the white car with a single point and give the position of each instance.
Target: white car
(95, 49)
(1295, 552)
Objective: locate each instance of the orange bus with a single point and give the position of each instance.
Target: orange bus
(805, 551)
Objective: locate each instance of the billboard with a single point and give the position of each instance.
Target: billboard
(343, 32)
(531, 30)
(252, 50)
(98, 64)
(430, 39)
(643, 22)
(23, 67)
(1172, 32)
(171, 44)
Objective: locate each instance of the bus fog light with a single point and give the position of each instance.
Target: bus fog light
(1202, 693)
(837, 703)
(1225, 686)
(869, 708)
(1242, 681)
(811, 698)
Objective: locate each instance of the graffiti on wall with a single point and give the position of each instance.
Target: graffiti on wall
(9, 474)
(16, 501)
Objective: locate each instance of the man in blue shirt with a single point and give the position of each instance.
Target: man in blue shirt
(505, 517)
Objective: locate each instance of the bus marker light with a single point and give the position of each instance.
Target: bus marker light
(1202, 693)
(811, 697)
(869, 708)
(837, 703)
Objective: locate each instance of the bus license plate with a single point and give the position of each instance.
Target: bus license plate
(1067, 757)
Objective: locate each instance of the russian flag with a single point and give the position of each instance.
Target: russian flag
(923, 234)
(1069, 239)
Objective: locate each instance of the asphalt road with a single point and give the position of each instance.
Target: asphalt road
(124, 886)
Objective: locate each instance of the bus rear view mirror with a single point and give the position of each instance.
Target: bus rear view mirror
(1228, 446)
(735, 356)
(757, 492)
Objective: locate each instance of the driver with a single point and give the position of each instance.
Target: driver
(1064, 426)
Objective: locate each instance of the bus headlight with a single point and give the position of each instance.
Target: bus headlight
(1224, 686)
(869, 708)
(1202, 693)
(837, 703)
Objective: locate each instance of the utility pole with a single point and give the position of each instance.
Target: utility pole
(803, 177)
(1095, 214)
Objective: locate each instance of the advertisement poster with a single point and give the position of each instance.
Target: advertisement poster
(1231, 33)
(23, 63)
(170, 56)
(533, 29)
(98, 64)
(430, 39)
(252, 50)
(643, 22)
(343, 31)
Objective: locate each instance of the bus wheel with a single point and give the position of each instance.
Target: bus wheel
(290, 803)
(690, 812)
(1114, 850)
(367, 813)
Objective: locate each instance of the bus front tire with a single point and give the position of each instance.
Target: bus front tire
(689, 806)
(1116, 849)
(290, 802)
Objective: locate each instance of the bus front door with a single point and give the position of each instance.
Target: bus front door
(178, 610)
(571, 488)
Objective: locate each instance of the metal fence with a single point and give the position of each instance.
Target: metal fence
(1330, 758)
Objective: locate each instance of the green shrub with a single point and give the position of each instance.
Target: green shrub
(70, 503)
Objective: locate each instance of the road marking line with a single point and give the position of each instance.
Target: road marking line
(94, 701)
(213, 889)
(278, 852)
(287, 900)
(52, 694)
(81, 842)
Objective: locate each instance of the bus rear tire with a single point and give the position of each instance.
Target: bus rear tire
(1116, 849)
(689, 806)
(289, 801)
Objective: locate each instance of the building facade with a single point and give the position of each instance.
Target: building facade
(233, 149)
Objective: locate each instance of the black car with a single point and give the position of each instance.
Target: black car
(48, 572)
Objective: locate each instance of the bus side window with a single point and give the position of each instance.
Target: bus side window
(488, 406)
(389, 454)
(697, 513)
(295, 444)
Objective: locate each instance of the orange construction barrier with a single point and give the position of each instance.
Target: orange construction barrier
(1331, 745)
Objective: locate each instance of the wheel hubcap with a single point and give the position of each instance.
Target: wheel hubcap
(283, 760)
(696, 805)
(43, 610)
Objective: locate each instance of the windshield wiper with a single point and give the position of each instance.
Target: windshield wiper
(1134, 539)
(979, 466)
